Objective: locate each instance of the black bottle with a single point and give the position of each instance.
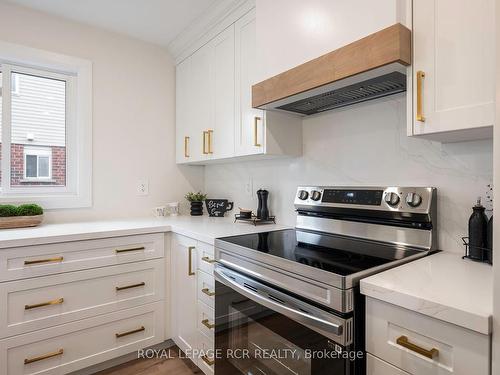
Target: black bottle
(489, 254)
(262, 209)
(478, 227)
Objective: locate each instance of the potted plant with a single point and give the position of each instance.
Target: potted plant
(25, 215)
(196, 200)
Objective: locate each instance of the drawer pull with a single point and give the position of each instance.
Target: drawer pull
(131, 249)
(208, 260)
(49, 303)
(206, 323)
(403, 341)
(27, 361)
(118, 335)
(48, 260)
(208, 292)
(118, 288)
(190, 260)
(207, 360)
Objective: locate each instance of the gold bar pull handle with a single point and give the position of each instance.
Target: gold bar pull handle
(205, 152)
(208, 260)
(209, 134)
(27, 361)
(118, 335)
(118, 288)
(118, 251)
(186, 147)
(39, 261)
(206, 323)
(420, 78)
(208, 292)
(403, 341)
(256, 119)
(58, 301)
(190, 260)
(207, 360)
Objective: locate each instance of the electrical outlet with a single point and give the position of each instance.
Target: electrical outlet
(143, 187)
(249, 187)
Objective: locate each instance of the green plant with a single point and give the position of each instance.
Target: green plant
(29, 210)
(7, 210)
(195, 197)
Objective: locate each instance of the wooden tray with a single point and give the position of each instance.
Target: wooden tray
(20, 221)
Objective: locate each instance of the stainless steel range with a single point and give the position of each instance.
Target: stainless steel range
(288, 301)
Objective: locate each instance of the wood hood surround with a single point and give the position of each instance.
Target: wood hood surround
(387, 46)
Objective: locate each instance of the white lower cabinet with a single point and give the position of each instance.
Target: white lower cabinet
(416, 344)
(193, 300)
(70, 305)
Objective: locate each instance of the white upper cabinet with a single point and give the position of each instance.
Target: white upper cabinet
(214, 115)
(453, 69)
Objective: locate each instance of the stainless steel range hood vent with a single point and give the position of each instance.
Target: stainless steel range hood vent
(369, 68)
(388, 84)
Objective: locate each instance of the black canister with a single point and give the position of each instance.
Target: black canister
(489, 253)
(262, 209)
(478, 227)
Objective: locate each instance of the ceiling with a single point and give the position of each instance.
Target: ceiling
(154, 21)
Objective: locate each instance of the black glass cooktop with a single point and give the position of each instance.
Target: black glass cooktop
(341, 255)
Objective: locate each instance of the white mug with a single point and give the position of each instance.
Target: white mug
(160, 211)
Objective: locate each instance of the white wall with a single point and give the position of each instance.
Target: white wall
(366, 145)
(133, 113)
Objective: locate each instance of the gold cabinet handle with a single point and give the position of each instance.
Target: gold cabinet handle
(208, 260)
(208, 292)
(190, 260)
(420, 78)
(48, 303)
(256, 119)
(186, 151)
(205, 152)
(209, 134)
(206, 323)
(403, 341)
(118, 335)
(118, 288)
(27, 361)
(207, 360)
(48, 260)
(118, 251)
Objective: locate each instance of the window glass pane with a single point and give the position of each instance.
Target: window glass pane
(38, 122)
(43, 166)
(31, 166)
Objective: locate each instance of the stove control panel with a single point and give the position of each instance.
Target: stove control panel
(401, 199)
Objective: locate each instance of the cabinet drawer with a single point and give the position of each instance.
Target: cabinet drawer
(32, 261)
(206, 319)
(51, 300)
(80, 344)
(406, 339)
(206, 288)
(206, 359)
(206, 257)
(375, 366)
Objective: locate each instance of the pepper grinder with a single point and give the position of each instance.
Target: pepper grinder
(262, 209)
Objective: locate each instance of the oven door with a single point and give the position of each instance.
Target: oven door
(260, 330)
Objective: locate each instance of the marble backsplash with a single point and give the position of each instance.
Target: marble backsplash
(366, 145)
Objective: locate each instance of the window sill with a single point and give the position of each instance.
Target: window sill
(46, 180)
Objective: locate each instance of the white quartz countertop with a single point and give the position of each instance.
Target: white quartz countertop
(443, 286)
(202, 228)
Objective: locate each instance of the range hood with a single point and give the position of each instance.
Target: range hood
(369, 68)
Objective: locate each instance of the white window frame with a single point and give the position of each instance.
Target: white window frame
(15, 88)
(37, 151)
(78, 76)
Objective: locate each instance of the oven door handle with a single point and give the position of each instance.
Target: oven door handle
(297, 315)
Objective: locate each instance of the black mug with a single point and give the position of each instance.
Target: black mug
(218, 207)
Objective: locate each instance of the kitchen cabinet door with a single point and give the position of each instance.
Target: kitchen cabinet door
(184, 136)
(183, 292)
(221, 135)
(453, 69)
(249, 122)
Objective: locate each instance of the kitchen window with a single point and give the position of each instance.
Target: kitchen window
(45, 128)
